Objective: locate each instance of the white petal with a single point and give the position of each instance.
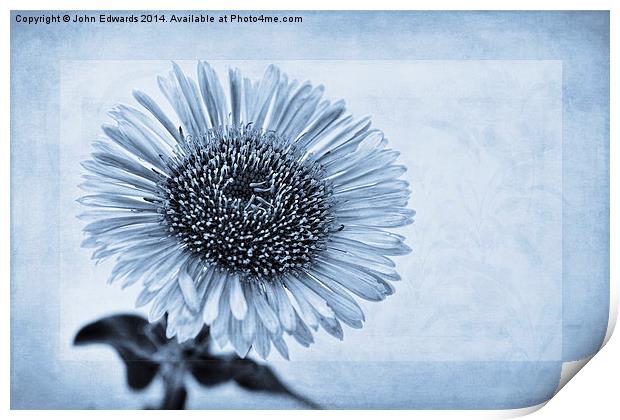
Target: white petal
(332, 326)
(390, 218)
(382, 174)
(281, 346)
(213, 293)
(367, 164)
(347, 142)
(122, 174)
(154, 109)
(188, 287)
(361, 282)
(188, 325)
(351, 249)
(96, 184)
(171, 262)
(172, 91)
(249, 94)
(299, 112)
(398, 199)
(335, 254)
(165, 299)
(238, 304)
(265, 312)
(249, 325)
(266, 90)
(286, 312)
(337, 298)
(369, 190)
(302, 333)
(149, 132)
(281, 98)
(220, 327)
(317, 303)
(212, 94)
(324, 123)
(366, 240)
(235, 334)
(116, 201)
(307, 311)
(290, 105)
(262, 343)
(235, 83)
(189, 94)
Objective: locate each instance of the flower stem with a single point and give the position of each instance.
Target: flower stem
(175, 393)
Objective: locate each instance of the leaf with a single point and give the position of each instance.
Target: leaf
(254, 377)
(127, 334)
(116, 329)
(211, 371)
(140, 373)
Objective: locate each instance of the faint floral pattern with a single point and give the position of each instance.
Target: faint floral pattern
(503, 194)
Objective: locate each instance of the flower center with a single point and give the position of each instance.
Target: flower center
(246, 201)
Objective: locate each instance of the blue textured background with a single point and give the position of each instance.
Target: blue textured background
(46, 374)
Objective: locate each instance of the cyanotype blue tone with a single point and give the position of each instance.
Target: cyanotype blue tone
(502, 122)
(234, 213)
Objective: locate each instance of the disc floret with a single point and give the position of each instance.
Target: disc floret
(244, 199)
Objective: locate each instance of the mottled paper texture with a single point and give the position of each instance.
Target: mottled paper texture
(502, 120)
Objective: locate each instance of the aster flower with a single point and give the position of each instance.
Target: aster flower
(260, 213)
